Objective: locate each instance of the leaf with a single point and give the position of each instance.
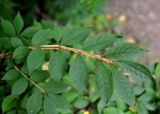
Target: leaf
(10, 75)
(8, 103)
(35, 59)
(34, 103)
(20, 52)
(104, 82)
(57, 34)
(18, 23)
(81, 103)
(123, 88)
(30, 31)
(39, 75)
(157, 71)
(8, 27)
(75, 36)
(42, 37)
(78, 74)
(57, 65)
(137, 71)
(101, 41)
(16, 42)
(19, 86)
(125, 51)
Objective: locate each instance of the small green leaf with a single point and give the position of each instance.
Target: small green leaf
(125, 51)
(8, 27)
(8, 103)
(57, 65)
(19, 86)
(20, 52)
(75, 36)
(18, 23)
(101, 41)
(81, 103)
(137, 71)
(123, 88)
(42, 37)
(57, 34)
(16, 42)
(158, 70)
(34, 103)
(39, 75)
(35, 59)
(10, 75)
(30, 31)
(104, 82)
(78, 74)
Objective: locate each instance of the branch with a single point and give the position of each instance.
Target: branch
(31, 81)
(58, 47)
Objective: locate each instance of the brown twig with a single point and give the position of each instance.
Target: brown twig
(57, 47)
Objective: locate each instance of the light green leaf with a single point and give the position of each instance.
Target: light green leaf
(16, 42)
(35, 59)
(78, 74)
(137, 71)
(57, 65)
(75, 36)
(8, 27)
(19, 86)
(18, 23)
(34, 103)
(125, 51)
(101, 41)
(10, 75)
(158, 70)
(57, 34)
(8, 103)
(20, 52)
(123, 88)
(104, 82)
(30, 31)
(42, 37)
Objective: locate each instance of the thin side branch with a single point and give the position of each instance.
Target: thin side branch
(58, 47)
(31, 81)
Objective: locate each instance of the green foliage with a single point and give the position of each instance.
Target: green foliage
(53, 80)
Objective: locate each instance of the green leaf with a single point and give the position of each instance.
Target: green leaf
(20, 52)
(157, 71)
(57, 65)
(55, 87)
(34, 103)
(81, 103)
(104, 82)
(19, 86)
(137, 71)
(16, 42)
(35, 59)
(10, 75)
(123, 88)
(30, 31)
(39, 75)
(42, 37)
(125, 51)
(49, 105)
(8, 27)
(75, 36)
(18, 23)
(78, 74)
(101, 41)
(8, 103)
(57, 34)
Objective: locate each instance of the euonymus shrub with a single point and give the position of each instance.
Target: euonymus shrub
(52, 70)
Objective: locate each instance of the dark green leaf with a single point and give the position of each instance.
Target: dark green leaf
(19, 86)
(20, 52)
(101, 41)
(123, 88)
(35, 59)
(8, 27)
(10, 75)
(125, 51)
(104, 82)
(138, 71)
(57, 65)
(75, 36)
(18, 23)
(8, 103)
(34, 103)
(78, 74)
(39, 75)
(16, 42)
